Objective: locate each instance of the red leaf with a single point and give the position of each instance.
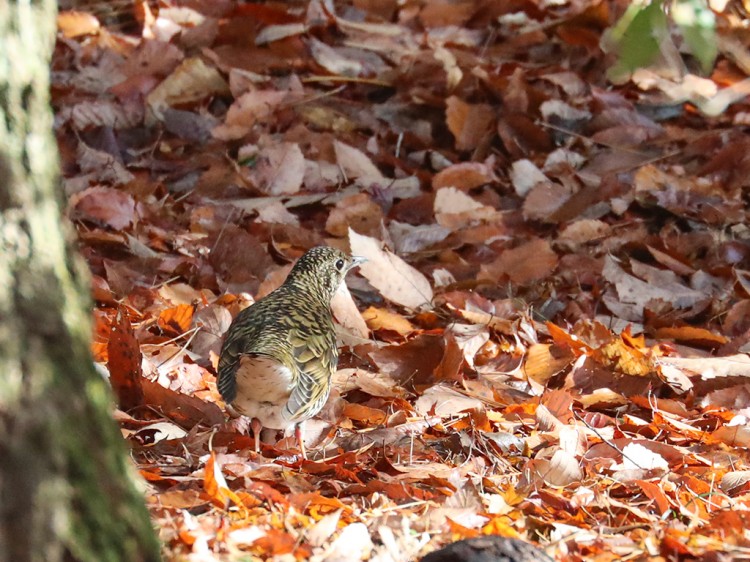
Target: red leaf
(124, 362)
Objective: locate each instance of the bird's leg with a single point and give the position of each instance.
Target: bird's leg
(300, 441)
(256, 426)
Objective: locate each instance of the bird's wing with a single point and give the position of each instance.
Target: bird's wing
(316, 357)
(241, 339)
(228, 363)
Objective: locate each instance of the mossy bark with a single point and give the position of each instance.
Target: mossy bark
(66, 486)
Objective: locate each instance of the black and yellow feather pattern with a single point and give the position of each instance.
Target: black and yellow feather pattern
(292, 325)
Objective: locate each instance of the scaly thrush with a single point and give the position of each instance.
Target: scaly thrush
(279, 353)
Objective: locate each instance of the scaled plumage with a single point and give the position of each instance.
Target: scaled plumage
(279, 353)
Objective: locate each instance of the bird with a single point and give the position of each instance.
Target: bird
(489, 548)
(279, 353)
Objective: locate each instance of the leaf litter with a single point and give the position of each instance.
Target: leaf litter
(549, 339)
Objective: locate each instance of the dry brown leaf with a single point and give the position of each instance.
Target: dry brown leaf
(408, 239)
(469, 123)
(691, 334)
(247, 110)
(635, 456)
(393, 277)
(529, 262)
(187, 411)
(465, 175)
(711, 367)
(374, 384)
(103, 166)
(191, 81)
(336, 61)
(582, 232)
(105, 113)
(445, 401)
(561, 470)
(663, 286)
(272, 33)
(276, 213)
(734, 434)
(451, 200)
(734, 481)
(358, 212)
(279, 168)
(347, 314)
(369, 416)
(354, 162)
(525, 175)
(104, 206)
(216, 485)
(543, 200)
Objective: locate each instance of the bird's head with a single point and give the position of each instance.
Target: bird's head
(322, 269)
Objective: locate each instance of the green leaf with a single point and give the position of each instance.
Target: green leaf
(698, 26)
(635, 38)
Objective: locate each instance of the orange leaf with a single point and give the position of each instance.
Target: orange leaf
(177, 320)
(502, 526)
(370, 416)
(100, 336)
(563, 338)
(626, 359)
(460, 532)
(655, 494)
(542, 364)
(381, 319)
(316, 502)
(74, 24)
(691, 334)
(276, 543)
(215, 485)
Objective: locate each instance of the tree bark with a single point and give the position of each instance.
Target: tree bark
(67, 490)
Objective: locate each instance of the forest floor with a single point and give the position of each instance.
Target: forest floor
(550, 338)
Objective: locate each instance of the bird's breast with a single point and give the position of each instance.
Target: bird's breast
(263, 389)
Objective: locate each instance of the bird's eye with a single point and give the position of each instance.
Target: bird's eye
(339, 264)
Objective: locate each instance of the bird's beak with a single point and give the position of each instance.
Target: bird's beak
(357, 261)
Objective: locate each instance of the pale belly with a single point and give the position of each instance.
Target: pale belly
(263, 389)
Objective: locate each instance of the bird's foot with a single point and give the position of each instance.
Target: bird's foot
(239, 425)
(300, 440)
(256, 426)
(247, 426)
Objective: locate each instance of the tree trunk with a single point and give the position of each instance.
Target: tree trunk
(66, 486)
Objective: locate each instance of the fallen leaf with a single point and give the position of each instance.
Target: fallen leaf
(191, 81)
(354, 162)
(347, 314)
(524, 264)
(74, 24)
(382, 319)
(124, 363)
(469, 123)
(393, 277)
(278, 168)
(105, 206)
(216, 485)
(442, 400)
